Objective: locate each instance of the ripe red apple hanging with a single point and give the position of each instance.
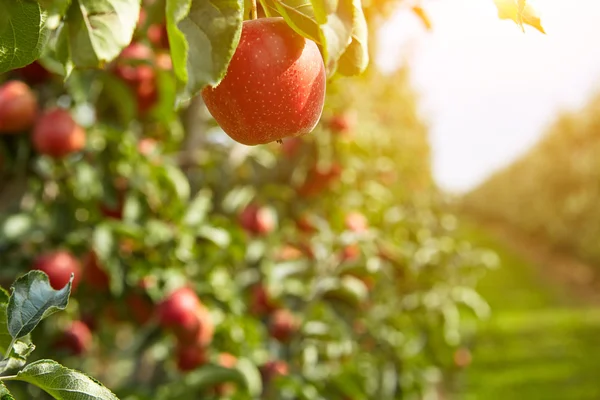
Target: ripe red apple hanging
(274, 87)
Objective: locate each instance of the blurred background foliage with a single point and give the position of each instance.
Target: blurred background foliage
(352, 239)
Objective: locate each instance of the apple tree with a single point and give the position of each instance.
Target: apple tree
(317, 265)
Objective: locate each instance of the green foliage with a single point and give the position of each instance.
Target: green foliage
(31, 300)
(22, 33)
(550, 193)
(161, 199)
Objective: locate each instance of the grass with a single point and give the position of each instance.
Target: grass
(541, 342)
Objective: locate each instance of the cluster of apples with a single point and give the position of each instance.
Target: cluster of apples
(54, 132)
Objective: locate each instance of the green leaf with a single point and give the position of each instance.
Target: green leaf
(63, 383)
(179, 182)
(105, 247)
(355, 59)
(218, 236)
(32, 300)
(336, 32)
(203, 36)
(4, 393)
(18, 356)
(99, 29)
(300, 16)
(22, 33)
(198, 208)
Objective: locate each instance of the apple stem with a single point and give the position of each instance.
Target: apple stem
(253, 10)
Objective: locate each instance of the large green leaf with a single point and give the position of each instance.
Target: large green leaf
(336, 31)
(298, 14)
(22, 33)
(4, 393)
(356, 57)
(63, 383)
(203, 36)
(32, 300)
(5, 337)
(99, 29)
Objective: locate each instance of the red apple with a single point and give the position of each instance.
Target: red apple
(343, 123)
(273, 369)
(462, 357)
(77, 338)
(59, 266)
(274, 87)
(34, 73)
(261, 302)
(139, 307)
(187, 317)
(350, 253)
(257, 220)
(228, 361)
(94, 275)
(356, 222)
(157, 34)
(283, 325)
(288, 253)
(146, 146)
(190, 357)
(56, 134)
(318, 180)
(179, 309)
(18, 107)
(133, 67)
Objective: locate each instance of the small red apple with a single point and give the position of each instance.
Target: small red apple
(190, 357)
(18, 107)
(139, 307)
(157, 34)
(283, 325)
(356, 222)
(133, 67)
(318, 180)
(273, 369)
(147, 146)
(288, 253)
(261, 302)
(34, 73)
(257, 220)
(56, 134)
(94, 275)
(462, 357)
(59, 266)
(226, 360)
(350, 252)
(305, 224)
(274, 87)
(77, 338)
(179, 309)
(343, 123)
(187, 317)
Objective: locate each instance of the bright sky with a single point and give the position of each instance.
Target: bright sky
(486, 89)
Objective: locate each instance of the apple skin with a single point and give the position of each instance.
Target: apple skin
(57, 135)
(18, 107)
(283, 325)
(34, 73)
(59, 265)
(132, 67)
(260, 301)
(257, 220)
(273, 369)
(190, 357)
(94, 275)
(184, 314)
(77, 338)
(274, 87)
